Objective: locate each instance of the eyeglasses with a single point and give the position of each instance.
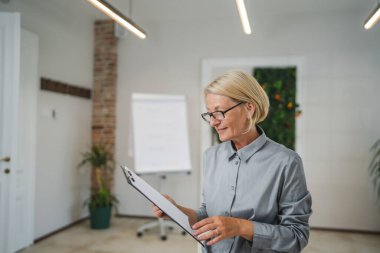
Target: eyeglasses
(218, 115)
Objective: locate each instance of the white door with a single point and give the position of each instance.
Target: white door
(17, 137)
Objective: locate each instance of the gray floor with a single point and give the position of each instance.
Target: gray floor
(121, 238)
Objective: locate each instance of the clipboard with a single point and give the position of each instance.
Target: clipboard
(160, 201)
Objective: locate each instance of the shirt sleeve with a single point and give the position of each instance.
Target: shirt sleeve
(291, 234)
(201, 212)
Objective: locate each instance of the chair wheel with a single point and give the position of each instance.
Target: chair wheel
(183, 233)
(163, 238)
(139, 234)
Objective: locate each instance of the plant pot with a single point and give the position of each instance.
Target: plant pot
(100, 217)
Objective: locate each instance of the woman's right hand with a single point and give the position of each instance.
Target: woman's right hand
(158, 212)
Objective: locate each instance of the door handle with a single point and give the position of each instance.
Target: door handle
(7, 171)
(5, 159)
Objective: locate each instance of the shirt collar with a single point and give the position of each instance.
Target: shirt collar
(248, 151)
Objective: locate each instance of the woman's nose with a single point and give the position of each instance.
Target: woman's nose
(214, 122)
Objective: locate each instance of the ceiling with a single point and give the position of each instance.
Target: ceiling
(198, 9)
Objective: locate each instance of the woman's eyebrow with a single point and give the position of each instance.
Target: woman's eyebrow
(215, 109)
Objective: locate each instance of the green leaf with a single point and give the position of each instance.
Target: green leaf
(277, 84)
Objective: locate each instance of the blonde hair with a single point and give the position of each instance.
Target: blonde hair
(241, 87)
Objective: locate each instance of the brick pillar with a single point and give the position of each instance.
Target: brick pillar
(104, 89)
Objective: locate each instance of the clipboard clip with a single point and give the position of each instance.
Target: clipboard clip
(128, 175)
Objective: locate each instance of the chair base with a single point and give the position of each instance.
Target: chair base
(164, 225)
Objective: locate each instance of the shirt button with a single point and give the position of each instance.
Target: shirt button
(232, 187)
(236, 163)
(226, 213)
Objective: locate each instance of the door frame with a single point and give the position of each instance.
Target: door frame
(27, 129)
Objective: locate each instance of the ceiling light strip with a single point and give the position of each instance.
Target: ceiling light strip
(116, 15)
(373, 18)
(243, 16)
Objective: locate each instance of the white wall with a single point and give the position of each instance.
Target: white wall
(339, 98)
(66, 48)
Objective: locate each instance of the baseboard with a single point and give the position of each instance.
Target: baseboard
(60, 230)
(135, 216)
(346, 230)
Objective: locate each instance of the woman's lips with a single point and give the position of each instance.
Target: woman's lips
(221, 129)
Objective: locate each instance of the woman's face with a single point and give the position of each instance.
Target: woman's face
(236, 120)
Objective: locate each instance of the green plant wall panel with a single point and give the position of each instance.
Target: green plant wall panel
(280, 85)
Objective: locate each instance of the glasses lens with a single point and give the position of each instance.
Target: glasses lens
(218, 115)
(206, 117)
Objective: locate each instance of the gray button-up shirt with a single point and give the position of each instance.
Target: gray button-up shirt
(263, 182)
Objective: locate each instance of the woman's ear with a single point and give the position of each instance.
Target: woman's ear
(251, 109)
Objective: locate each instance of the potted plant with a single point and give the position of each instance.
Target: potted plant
(374, 167)
(102, 200)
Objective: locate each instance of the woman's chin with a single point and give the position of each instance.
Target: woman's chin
(223, 138)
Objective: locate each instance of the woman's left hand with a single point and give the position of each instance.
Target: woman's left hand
(217, 228)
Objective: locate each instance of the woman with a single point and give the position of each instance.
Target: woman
(255, 197)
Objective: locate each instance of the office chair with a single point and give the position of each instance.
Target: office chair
(164, 225)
